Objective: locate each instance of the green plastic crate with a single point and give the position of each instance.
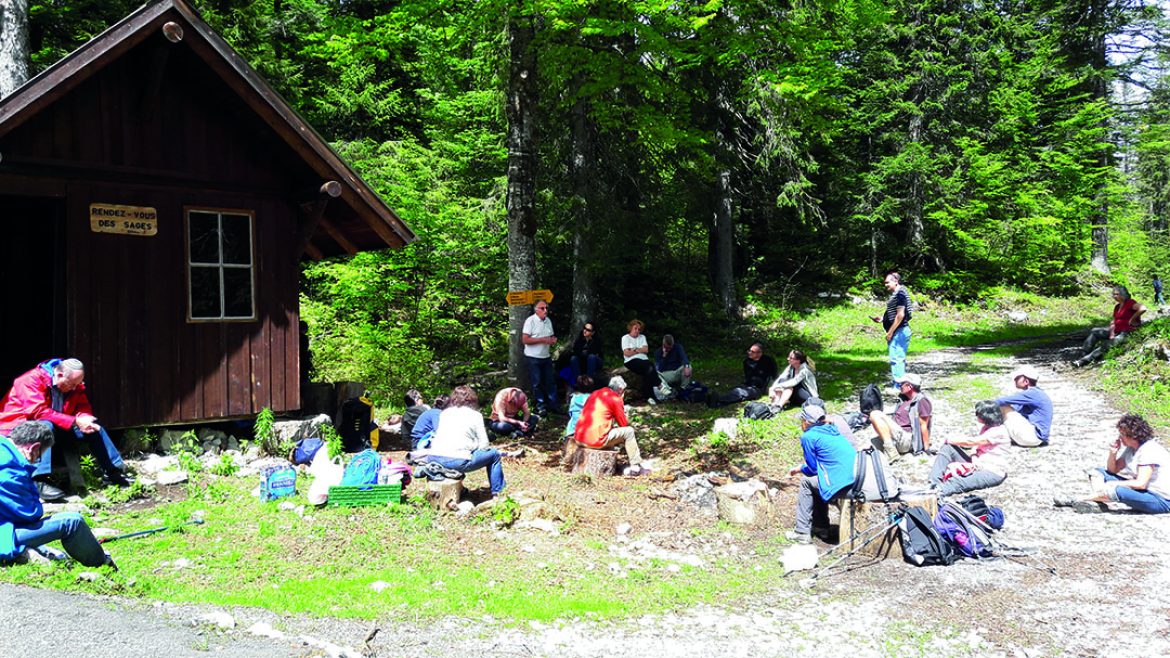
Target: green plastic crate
(379, 494)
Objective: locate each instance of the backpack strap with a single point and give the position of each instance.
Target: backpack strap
(879, 473)
(858, 490)
(916, 443)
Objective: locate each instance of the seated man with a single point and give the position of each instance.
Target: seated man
(415, 407)
(22, 525)
(424, 428)
(1127, 316)
(827, 473)
(674, 369)
(759, 370)
(603, 424)
(510, 414)
(54, 393)
(1027, 413)
(908, 431)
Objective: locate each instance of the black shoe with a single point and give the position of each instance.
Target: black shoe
(49, 493)
(117, 478)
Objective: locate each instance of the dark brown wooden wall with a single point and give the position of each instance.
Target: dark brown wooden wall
(193, 143)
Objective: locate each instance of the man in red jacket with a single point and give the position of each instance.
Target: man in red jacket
(603, 424)
(54, 393)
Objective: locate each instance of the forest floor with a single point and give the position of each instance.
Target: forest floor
(1107, 592)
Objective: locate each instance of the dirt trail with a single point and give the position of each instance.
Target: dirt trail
(1110, 595)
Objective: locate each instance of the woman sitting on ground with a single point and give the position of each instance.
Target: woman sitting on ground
(1132, 473)
(424, 428)
(510, 415)
(581, 391)
(955, 471)
(636, 352)
(461, 443)
(797, 383)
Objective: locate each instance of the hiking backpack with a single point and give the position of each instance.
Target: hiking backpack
(856, 420)
(990, 515)
(870, 399)
(277, 481)
(694, 392)
(758, 411)
(304, 450)
(969, 536)
(362, 470)
(922, 546)
(872, 479)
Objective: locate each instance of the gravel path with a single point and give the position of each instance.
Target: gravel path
(1109, 595)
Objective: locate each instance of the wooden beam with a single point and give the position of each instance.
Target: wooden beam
(338, 236)
(313, 252)
(314, 211)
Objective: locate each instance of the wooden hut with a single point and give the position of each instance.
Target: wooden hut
(157, 197)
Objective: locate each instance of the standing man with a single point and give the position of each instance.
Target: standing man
(1027, 413)
(759, 370)
(827, 473)
(538, 338)
(22, 525)
(603, 424)
(54, 393)
(674, 369)
(908, 430)
(1158, 291)
(896, 322)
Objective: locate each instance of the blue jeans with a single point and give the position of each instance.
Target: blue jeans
(1145, 502)
(488, 458)
(543, 381)
(897, 348)
(592, 365)
(100, 445)
(506, 427)
(74, 534)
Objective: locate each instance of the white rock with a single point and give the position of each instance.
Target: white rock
(89, 576)
(172, 477)
(464, 508)
(157, 463)
(799, 557)
(379, 585)
(728, 426)
(262, 629)
(104, 533)
(544, 525)
(182, 563)
(286, 506)
(218, 619)
(623, 529)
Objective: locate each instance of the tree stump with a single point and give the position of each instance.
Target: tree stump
(745, 503)
(444, 495)
(872, 516)
(580, 459)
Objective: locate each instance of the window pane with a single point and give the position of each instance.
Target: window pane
(203, 236)
(237, 286)
(237, 239)
(205, 292)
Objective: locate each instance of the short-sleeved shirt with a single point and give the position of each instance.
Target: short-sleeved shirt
(631, 343)
(902, 412)
(1035, 406)
(993, 456)
(1151, 453)
(537, 328)
(899, 298)
(511, 411)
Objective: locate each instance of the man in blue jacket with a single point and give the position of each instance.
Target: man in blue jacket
(1028, 411)
(22, 522)
(827, 472)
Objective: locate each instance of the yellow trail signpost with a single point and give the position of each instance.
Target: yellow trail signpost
(526, 297)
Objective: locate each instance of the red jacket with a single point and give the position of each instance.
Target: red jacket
(30, 399)
(602, 411)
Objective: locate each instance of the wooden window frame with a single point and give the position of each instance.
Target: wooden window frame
(188, 266)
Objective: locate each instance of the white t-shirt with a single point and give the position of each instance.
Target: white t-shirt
(993, 456)
(631, 343)
(1151, 453)
(537, 328)
(460, 431)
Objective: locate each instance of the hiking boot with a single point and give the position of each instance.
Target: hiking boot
(651, 401)
(117, 478)
(798, 537)
(1081, 506)
(49, 493)
(636, 471)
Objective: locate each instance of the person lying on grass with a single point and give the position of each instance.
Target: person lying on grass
(1132, 474)
(955, 471)
(22, 522)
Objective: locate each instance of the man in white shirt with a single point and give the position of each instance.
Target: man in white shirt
(538, 338)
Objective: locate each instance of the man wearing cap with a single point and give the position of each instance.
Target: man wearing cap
(908, 430)
(1027, 413)
(827, 472)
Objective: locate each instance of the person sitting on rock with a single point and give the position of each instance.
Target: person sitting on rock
(510, 415)
(1028, 411)
(604, 424)
(1133, 472)
(955, 471)
(797, 383)
(908, 430)
(581, 391)
(827, 473)
(22, 522)
(424, 428)
(460, 442)
(674, 370)
(1127, 316)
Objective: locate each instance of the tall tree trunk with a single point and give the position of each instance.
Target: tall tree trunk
(13, 45)
(722, 238)
(1099, 221)
(521, 195)
(583, 170)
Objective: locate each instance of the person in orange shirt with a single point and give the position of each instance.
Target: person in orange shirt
(603, 424)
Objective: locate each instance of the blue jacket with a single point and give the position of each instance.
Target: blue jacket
(674, 359)
(829, 456)
(20, 504)
(1035, 406)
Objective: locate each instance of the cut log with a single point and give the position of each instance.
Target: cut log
(444, 495)
(596, 463)
(859, 522)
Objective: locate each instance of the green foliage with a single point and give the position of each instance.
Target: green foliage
(136, 491)
(265, 435)
(226, 467)
(505, 512)
(333, 442)
(91, 473)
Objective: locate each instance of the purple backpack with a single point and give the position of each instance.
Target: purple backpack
(965, 533)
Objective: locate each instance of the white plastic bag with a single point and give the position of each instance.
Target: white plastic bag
(326, 473)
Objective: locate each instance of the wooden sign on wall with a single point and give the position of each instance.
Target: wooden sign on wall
(124, 220)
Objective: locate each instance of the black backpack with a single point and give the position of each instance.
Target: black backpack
(870, 399)
(758, 411)
(922, 546)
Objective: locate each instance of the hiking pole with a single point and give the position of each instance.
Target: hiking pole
(881, 533)
(143, 533)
